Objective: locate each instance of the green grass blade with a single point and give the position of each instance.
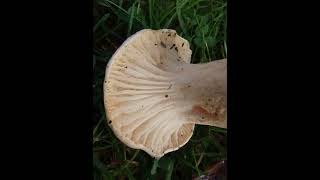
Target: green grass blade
(169, 21)
(102, 148)
(101, 20)
(155, 166)
(180, 19)
(194, 3)
(107, 3)
(195, 161)
(108, 32)
(97, 126)
(129, 174)
(188, 164)
(167, 14)
(131, 19)
(202, 31)
(150, 3)
(103, 2)
(124, 152)
(169, 170)
(135, 155)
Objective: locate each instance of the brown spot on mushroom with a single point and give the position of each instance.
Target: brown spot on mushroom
(166, 95)
(169, 34)
(202, 112)
(126, 67)
(110, 122)
(163, 45)
(155, 44)
(182, 44)
(178, 59)
(176, 49)
(172, 46)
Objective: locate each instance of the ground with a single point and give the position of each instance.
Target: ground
(203, 23)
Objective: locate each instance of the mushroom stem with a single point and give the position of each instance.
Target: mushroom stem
(204, 90)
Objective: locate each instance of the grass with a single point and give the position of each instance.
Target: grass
(203, 23)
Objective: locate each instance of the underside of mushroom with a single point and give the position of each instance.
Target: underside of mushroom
(154, 97)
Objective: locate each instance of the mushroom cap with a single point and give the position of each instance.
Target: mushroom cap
(139, 96)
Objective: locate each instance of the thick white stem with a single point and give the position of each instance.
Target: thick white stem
(204, 88)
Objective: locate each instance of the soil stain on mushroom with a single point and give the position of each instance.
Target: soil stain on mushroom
(198, 110)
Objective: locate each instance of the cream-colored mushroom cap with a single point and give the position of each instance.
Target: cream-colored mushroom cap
(154, 97)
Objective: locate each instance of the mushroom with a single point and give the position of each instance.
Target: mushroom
(153, 96)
